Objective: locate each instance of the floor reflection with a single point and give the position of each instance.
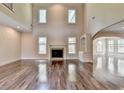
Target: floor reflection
(99, 62)
(42, 75)
(72, 72)
(106, 72)
(64, 75)
(110, 64)
(121, 67)
(57, 75)
(42, 72)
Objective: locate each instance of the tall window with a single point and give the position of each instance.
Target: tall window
(111, 64)
(71, 16)
(42, 45)
(42, 16)
(121, 67)
(110, 45)
(99, 62)
(99, 46)
(121, 45)
(72, 45)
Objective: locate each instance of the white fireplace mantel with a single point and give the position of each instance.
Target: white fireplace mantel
(57, 47)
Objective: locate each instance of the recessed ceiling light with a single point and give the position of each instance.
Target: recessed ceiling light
(18, 27)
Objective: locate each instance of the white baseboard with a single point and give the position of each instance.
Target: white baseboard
(45, 58)
(8, 62)
(87, 61)
(14, 60)
(35, 58)
(72, 58)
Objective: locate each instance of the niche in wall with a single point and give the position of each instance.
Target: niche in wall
(85, 48)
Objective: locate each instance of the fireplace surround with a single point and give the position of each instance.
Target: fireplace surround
(57, 52)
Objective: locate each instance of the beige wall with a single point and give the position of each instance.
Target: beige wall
(57, 30)
(105, 15)
(30, 47)
(10, 45)
(22, 13)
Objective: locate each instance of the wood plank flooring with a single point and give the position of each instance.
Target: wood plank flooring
(55, 75)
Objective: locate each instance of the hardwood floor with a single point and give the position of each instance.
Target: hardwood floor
(56, 75)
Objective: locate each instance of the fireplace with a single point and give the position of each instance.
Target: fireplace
(57, 53)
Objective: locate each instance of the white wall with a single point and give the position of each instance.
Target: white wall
(30, 47)
(10, 45)
(57, 29)
(105, 15)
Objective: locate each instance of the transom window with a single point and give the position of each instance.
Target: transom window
(72, 16)
(42, 16)
(42, 45)
(72, 45)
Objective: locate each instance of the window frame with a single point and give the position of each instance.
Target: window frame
(101, 47)
(39, 44)
(75, 16)
(110, 45)
(70, 43)
(39, 17)
(120, 45)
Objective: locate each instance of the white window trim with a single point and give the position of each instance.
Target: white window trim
(39, 16)
(42, 44)
(72, 44)
(75, 16)
(106, 47)
(110, 45)
(102, 48)
(118, 47)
